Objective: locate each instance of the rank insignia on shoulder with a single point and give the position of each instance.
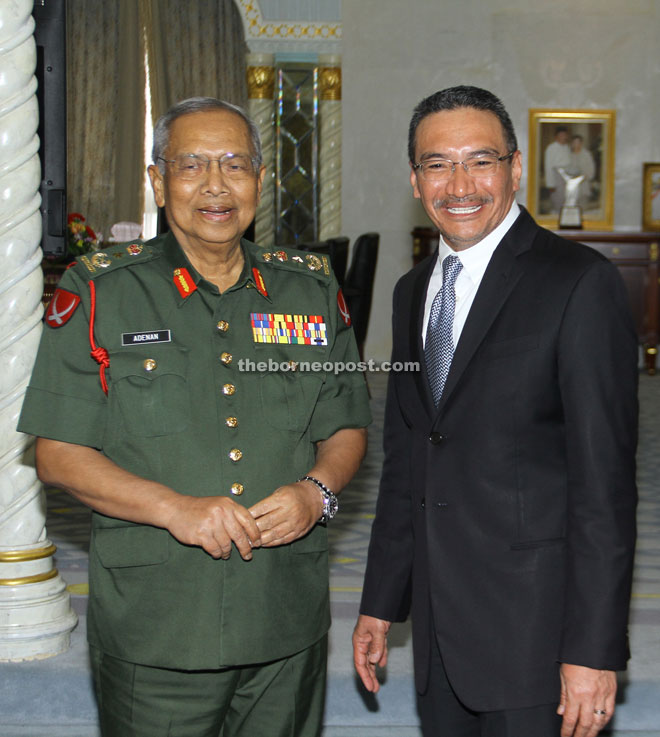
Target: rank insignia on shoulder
(288, 329)
(100, 260)
(259, 282)
(313, 262)
(343, 308)
(326, 265)
(135, 249)
(184, 282)
(267, 257)
(61, 308)
(281, 256)
(298, 259)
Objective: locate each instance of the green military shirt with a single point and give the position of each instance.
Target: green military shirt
(182, 409)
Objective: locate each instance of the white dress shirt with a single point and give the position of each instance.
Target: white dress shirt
(475, 260)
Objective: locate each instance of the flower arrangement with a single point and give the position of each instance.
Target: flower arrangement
(80, 237)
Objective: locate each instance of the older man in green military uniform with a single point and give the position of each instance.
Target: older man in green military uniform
(142, 412)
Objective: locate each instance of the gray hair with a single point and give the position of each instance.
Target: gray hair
(197, 105)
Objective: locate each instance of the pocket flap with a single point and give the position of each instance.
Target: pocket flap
(123, 547)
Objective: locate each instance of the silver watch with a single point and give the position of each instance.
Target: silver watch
(330, 503)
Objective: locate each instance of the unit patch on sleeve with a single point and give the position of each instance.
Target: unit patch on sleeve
(289, 329)
(61, 308)
(153, 336)
(343, 308)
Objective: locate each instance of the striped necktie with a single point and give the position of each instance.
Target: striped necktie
(439, 346)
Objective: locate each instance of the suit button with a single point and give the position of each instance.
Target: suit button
(235, 454)
(423, 504)
(436, 438)
(237, 489)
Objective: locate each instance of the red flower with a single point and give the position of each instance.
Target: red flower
(90, 232)
(73, 216)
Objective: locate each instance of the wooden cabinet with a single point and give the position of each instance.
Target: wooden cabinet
(635, 256)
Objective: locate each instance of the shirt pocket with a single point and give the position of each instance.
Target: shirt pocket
(131, 547)
(288, 398)
(151, 390)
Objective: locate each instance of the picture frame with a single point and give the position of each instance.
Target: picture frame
(651, 196)
(575, 145)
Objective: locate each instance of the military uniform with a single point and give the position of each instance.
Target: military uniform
(179, 410)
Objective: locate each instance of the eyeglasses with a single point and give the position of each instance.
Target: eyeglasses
(191, 166)
(439, 170)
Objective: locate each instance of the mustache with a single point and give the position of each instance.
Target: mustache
(441, 202)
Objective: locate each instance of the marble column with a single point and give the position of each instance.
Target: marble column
(35, 611)
(261, 91)
(330, 146)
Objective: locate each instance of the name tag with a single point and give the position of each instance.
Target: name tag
(154, 336)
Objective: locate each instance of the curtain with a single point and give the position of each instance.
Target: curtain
(196, 49)
(105, 111)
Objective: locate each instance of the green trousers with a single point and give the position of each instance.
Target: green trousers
(284, 698)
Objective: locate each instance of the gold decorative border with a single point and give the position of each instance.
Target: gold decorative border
(543, 116)
(38, 578)
(257, 27)
(20, 556)
(649, 190)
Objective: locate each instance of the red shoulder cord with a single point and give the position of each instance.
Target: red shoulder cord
(100, 355)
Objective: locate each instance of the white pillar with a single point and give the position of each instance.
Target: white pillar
(35, 612)
(261, 89)
(330, 146)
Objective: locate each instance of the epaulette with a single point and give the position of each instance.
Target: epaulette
(94, 264)
(302, 262)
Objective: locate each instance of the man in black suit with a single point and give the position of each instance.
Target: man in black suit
(506, 515)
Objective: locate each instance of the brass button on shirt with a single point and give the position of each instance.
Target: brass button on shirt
(166, 417)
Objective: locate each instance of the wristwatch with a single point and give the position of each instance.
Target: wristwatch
(330, 503)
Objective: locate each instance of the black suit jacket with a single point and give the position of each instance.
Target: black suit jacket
(506, 517)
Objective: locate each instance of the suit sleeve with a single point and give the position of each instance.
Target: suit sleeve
(597, 366)
(387, 585)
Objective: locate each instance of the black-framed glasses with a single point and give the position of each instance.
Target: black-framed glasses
(190, 166)
(435, 169)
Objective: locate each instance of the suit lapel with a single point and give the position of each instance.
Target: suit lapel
(501, 276)
(416, 348)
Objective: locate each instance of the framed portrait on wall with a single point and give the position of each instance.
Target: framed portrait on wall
(571, 156)
(651, 197)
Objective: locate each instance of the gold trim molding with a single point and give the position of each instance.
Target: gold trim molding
(20, 556)
(330, 83)
(257, 27)
(261, 82)
(37, 578)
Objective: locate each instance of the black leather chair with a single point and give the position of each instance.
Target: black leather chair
(359, 284)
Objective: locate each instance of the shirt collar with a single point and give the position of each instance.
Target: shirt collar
(186, 279)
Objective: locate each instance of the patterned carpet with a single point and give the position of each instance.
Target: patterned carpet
(53, 697)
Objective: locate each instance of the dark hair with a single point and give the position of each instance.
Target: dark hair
(198, 105)
(458, 97)
(561, 129)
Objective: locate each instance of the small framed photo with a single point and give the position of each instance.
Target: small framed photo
(571, 161)
(651, 197)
